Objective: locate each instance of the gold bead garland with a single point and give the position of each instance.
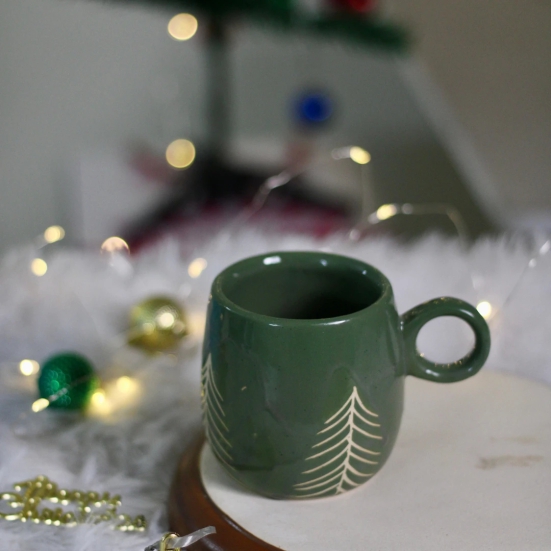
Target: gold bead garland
(91, 507)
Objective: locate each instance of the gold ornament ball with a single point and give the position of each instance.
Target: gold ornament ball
(157, 324)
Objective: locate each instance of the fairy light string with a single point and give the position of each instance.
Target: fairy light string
(387, 211)
(112, 395)
(384, 212)
(27, 499)
(542, 251)
(281, 179)
(115, 246)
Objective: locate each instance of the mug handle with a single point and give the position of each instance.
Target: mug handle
(469, 365)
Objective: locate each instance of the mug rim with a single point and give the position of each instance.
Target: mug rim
(375, 276)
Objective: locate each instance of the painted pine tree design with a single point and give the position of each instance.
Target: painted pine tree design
(349, 449)
(213, 415)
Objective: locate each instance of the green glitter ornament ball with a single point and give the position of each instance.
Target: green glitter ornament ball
(157, 324)
(68, 381)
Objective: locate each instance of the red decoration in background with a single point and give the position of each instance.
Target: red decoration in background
(355, 6)
(280, 216)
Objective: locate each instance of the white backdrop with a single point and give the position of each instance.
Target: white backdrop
(80, 76)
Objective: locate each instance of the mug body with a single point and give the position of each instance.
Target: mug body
(303, 373)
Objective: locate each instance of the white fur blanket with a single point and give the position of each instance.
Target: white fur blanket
(82, 302)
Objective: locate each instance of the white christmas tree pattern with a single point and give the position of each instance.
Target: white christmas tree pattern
(351, 462)
(213, 415)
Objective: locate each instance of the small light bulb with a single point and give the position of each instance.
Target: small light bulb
(485, 309)
(385, 212)
(100, 405)
(359, 155)
(98, 398)
(183, 26)
(180, 153)
(39, 267)
(127, 385)
(165, 320)
(197, 267)
(53, 234)
(114, 244)
(40, 404)
(29, 367)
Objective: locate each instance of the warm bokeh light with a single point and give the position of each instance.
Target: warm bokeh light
(100, 405)
(196, 323)
(53, 234)
(39, 267)
(40, 404)
(165, 320)
(127, 385)
(180, 153)
(29, 367)
(98, 398)
(114, 244)
(116, 397)
(485, 309)
(360, 155)
(197, 267)
(183, 26)
(386, 211)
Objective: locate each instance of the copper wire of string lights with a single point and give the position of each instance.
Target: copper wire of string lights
(532, 263)
(354, 153)
(368, 218)
(384, 212)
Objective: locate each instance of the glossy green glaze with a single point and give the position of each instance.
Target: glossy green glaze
(304, 362)
(67, 380)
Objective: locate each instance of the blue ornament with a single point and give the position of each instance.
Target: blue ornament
(313, 108)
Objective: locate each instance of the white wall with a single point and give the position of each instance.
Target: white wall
(492, 62)
(85, 75)
(75, 75)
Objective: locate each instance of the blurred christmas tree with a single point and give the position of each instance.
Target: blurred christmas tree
(351, 21)
(213, 179)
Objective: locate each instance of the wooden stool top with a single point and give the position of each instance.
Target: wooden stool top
(471, 470)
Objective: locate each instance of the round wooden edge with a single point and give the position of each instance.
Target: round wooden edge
(190, 508)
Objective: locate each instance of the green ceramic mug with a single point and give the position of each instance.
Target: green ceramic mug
(304, 362)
